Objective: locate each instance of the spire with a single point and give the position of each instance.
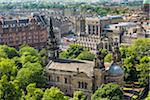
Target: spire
(99, 61)
(116, 54)
(50, 29)
(52, 45)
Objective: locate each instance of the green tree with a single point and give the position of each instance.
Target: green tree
(108, 91)
(53, 94)
(72, 52)
(9, 90)
(64, 55)
(78, 95)
(7, 67)
(33, 93)
(29, 54)
(31, 73)
(148, 96)
(9, 51)
(86, 55)
(143, 70)
(135, 61)
(108, 58)
(104, 52)
(130, 69)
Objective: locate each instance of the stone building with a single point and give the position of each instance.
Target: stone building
(146, 6)
(94, 31)
(32, 30)
(94, 26)
(17, 31)
(125, 32)
(104, 32)
(63, 24)
(87, 76)
(79, 25)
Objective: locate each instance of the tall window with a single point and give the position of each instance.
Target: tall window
(57, 79)
(82, 85)
(79, 84)
(66, 81)
(49, 78)
(85, 85)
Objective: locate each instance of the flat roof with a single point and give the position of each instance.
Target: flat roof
(124, 24)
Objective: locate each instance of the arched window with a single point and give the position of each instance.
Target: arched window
(85, 85)
(82, 85)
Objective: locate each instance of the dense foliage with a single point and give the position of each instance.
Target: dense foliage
(148, 96)
(77, 52)
(102, 11)
(21, 72)
(78, 95)
(18, 69)
(108, 91)
(136, 61)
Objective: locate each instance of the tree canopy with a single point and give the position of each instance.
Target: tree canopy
(78, 95)
(19, 68)
(136, 61)
(53, 94)
(77, 52)
(108, 91)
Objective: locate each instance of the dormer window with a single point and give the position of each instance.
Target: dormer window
(5, 26)
(12, 25)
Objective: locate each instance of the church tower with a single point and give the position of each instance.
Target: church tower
(52, 45)
(99, 70)
(115, 72)
(116, 54)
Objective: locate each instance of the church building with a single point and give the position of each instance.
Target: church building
(78, 75)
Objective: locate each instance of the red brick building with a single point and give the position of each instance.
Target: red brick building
(30, 30)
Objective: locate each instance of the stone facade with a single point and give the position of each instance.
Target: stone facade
(86, 76)
(31, 30)
(73, 75)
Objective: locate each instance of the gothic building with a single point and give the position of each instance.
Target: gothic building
(87, 76)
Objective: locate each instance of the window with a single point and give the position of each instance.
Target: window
(66, 81)
(82, 85)
(49, 78)
(79, 84)
(85, 85)
(66, 91)
(57, 79)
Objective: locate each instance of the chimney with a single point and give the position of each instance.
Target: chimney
(17, 19)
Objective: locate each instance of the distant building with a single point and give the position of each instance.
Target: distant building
(94, 26)
(146, 6)
(79, 25)
(30, 30)
(125, 32)
(63, 24)
(94, 31)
